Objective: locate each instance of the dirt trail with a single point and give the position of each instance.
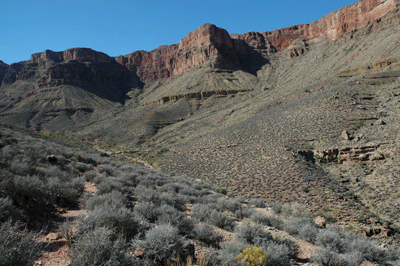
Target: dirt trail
(57, 249)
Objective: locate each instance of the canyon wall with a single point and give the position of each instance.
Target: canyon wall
(209, 46)
(214, 47)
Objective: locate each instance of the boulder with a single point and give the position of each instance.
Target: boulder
(320, 221)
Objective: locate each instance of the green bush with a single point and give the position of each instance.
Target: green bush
(8, 210)
(331, 240)
(325, 257)
(267, 220)
(295, 225)
(257, 202)
(252, 233)
(99, 247)
(162, 243)
(229, 251)
(221, 220)
(205, 233)
(113, 217)
(115, 197)
(17, 247)
(280, 254)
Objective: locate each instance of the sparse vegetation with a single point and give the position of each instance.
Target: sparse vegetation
(18, 246)
(142, 211)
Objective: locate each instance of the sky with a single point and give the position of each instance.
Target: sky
(120, 27)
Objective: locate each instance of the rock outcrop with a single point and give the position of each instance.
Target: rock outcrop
(82, 54)
(349, 154)
(214, 47)
(331, 27)
(149, 66)
(210, 46)
(3, 70)
(196, 95)
(206, 45)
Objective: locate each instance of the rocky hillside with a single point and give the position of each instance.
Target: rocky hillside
(307, 113)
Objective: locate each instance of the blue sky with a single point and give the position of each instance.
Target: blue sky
(118, 27)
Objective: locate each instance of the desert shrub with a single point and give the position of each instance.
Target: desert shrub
(52, 171)
(170, 215)
(147, 211)
(27, 193)
(210, 198)
(308, 232)
(201, 211)
(227, 205)
(172, 199)
(17, 247)
(111, 216)
(66, 230)
(291, 211)
(276, 207)
(85, 158)
(83, 167)
(64, 192)
(108, 185)
(280, 254)
(106, 169)
(297, 210)
(115, 197)
(331, 240)
(257, 202)
(252, 234)
(99, 178)
(99, 247)
(221, 220)
(393, 252)
(194, 191)
(205, 233)
(354, 258)
(221, 190)
(267, 220)
(253, 256)
(145, 194)
(368, 249)
(325, 257)
(8, 210)
(292, 247)
(22, 165)
(161, 243)
(229, 251)
(295, 225)
(243, 212)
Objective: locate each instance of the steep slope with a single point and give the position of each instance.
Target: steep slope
(303, 114)
(59, 90)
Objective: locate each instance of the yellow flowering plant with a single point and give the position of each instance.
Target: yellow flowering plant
(254, 256)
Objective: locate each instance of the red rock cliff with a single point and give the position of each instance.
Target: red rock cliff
(207, 44)
(331, 26)
(83, 54)
(215, 47)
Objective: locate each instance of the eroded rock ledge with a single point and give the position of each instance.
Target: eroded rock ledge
(347, 155)
(195, 95)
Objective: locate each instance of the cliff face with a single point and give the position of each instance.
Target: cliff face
(153, 65)
(214, 47)
(83, 54)
(332, 26)
(207, 46)
(77, 66)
